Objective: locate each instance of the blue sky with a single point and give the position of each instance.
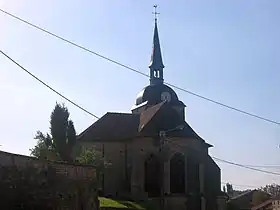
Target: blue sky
(224, 50)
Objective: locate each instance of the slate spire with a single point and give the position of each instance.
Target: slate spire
(156, 65)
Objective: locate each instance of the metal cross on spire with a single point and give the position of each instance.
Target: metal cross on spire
(155, 12)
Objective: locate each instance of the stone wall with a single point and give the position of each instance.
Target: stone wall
(73, 186)
(71, 171)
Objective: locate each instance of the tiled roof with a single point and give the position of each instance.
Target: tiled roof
(262, 205)
(111, 126)
(125, 126)
(276, 198)
(244, 201)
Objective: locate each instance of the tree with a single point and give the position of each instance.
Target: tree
(229, 189)
(224, 189)
(259, 197)
(62, 138)
(272, 189)
(93, 157)
(62, 128)
(71, 134)
(43, 143)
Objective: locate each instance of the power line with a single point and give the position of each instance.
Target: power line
(241, 185)
(137, 71)
(88, 112)
(244, 166)
(226, 161)
(231, 163)
(48, 86)
(264, 166)
(224, 105)
(72, 43)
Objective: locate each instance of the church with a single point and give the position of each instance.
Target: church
(153, 151)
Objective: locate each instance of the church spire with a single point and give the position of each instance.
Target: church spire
(156, 66)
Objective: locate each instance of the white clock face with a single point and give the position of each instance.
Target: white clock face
(165, 96)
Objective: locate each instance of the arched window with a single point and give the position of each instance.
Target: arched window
(177, 173)
(152, 176)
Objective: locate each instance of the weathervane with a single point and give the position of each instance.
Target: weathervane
(156, 13)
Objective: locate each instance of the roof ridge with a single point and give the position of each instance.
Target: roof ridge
(123, 113)
(88, 128)
(193, 130)
(242, 194)
(102, 118)
(262, 204)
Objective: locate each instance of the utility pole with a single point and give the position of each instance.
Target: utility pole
(162, 136)
(162, 146)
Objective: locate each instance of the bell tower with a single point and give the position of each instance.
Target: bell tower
(157, 91)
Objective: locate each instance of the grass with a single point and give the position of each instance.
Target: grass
(108, 202)
(120, 204)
